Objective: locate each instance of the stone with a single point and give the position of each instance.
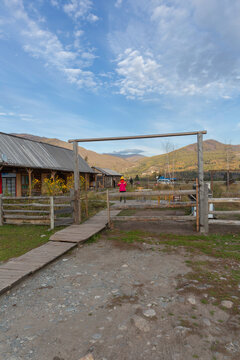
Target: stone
(122, 327)
(124, 265)
(206, 322)
(141, 323)
(87, 357)
(227, 304)
(96, 336)
(149, 313)
(191, 300)
(182, 330)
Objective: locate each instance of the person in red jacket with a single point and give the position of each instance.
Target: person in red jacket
(122, 187)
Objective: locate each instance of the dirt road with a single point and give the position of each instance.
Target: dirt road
(117, 301)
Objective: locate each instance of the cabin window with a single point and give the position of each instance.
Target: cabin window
(9, 186)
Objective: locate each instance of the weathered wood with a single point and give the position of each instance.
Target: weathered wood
(200, 181)
(152, 206)
(153, 218)
(26, 211)
(230, 212)
(66, 210)
(51, 213)
(138, 136)
(108, 209)
(205, 209)
(224, 222)
(77, 203)
(86, 205)
(30, 181)
(152, 193)
(32, 222)
(25, 217)
(28, 205)
(223, 200)
(25, 198)
(1, 210)
(197, 205)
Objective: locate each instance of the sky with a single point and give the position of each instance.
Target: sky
(97, 68)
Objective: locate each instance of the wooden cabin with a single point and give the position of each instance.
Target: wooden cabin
(23, 160)
(106, 178)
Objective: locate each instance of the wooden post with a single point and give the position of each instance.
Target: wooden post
(205, 209)
(77, 202)
(29, 181)
(1, 210)
(197, 205)
(108, 209)
(51, 213)
(86, 205)
(200, 181)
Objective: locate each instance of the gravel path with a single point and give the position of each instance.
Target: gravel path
(116, 301)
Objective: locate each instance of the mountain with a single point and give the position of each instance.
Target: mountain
(130, 157)
(217, 156)
(93, 158)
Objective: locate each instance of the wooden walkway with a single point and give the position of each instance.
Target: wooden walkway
(62, 241)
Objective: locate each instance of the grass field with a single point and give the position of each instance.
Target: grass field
(17, 240)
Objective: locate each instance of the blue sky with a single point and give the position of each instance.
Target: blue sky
(88, 68)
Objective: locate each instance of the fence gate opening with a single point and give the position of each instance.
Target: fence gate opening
(200, 192)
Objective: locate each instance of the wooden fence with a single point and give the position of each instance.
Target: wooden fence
(169, 196)
(38, 210)
(224, 212)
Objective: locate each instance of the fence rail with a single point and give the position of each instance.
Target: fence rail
(38, 210)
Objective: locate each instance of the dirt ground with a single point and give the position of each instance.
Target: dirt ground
(173, 227)
(118, 301)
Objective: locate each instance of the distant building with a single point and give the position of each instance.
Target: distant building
(22, 160)
(106, 178)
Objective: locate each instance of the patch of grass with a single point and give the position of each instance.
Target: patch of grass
(204, 301)
(17, 240)
(93, 239)
(127, 212)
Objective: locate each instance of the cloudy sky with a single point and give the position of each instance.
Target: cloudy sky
(89, 68)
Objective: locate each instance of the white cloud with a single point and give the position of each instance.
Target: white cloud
(80, 9)
(194, 47)
(44, 45)
(118, 3)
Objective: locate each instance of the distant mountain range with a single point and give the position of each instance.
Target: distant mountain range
(93, 158)
(217, 156)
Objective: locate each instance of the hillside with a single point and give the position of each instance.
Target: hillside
(183, 159)
(216, 156)
(93, 158)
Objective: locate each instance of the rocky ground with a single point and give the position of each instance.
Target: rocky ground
(117, 301)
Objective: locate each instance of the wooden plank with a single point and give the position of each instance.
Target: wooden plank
(66, 210)
(200, 181)
(51, 213)
(230, 212)
(30, 262)
(77, 203)
(224, 222)
(153, 218)
(223, 200)
(152, 206)
(25, 217)
(205, 213)
(27, 211)
(28, 205)
(152, 193)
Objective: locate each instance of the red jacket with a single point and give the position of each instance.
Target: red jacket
(122, 185)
